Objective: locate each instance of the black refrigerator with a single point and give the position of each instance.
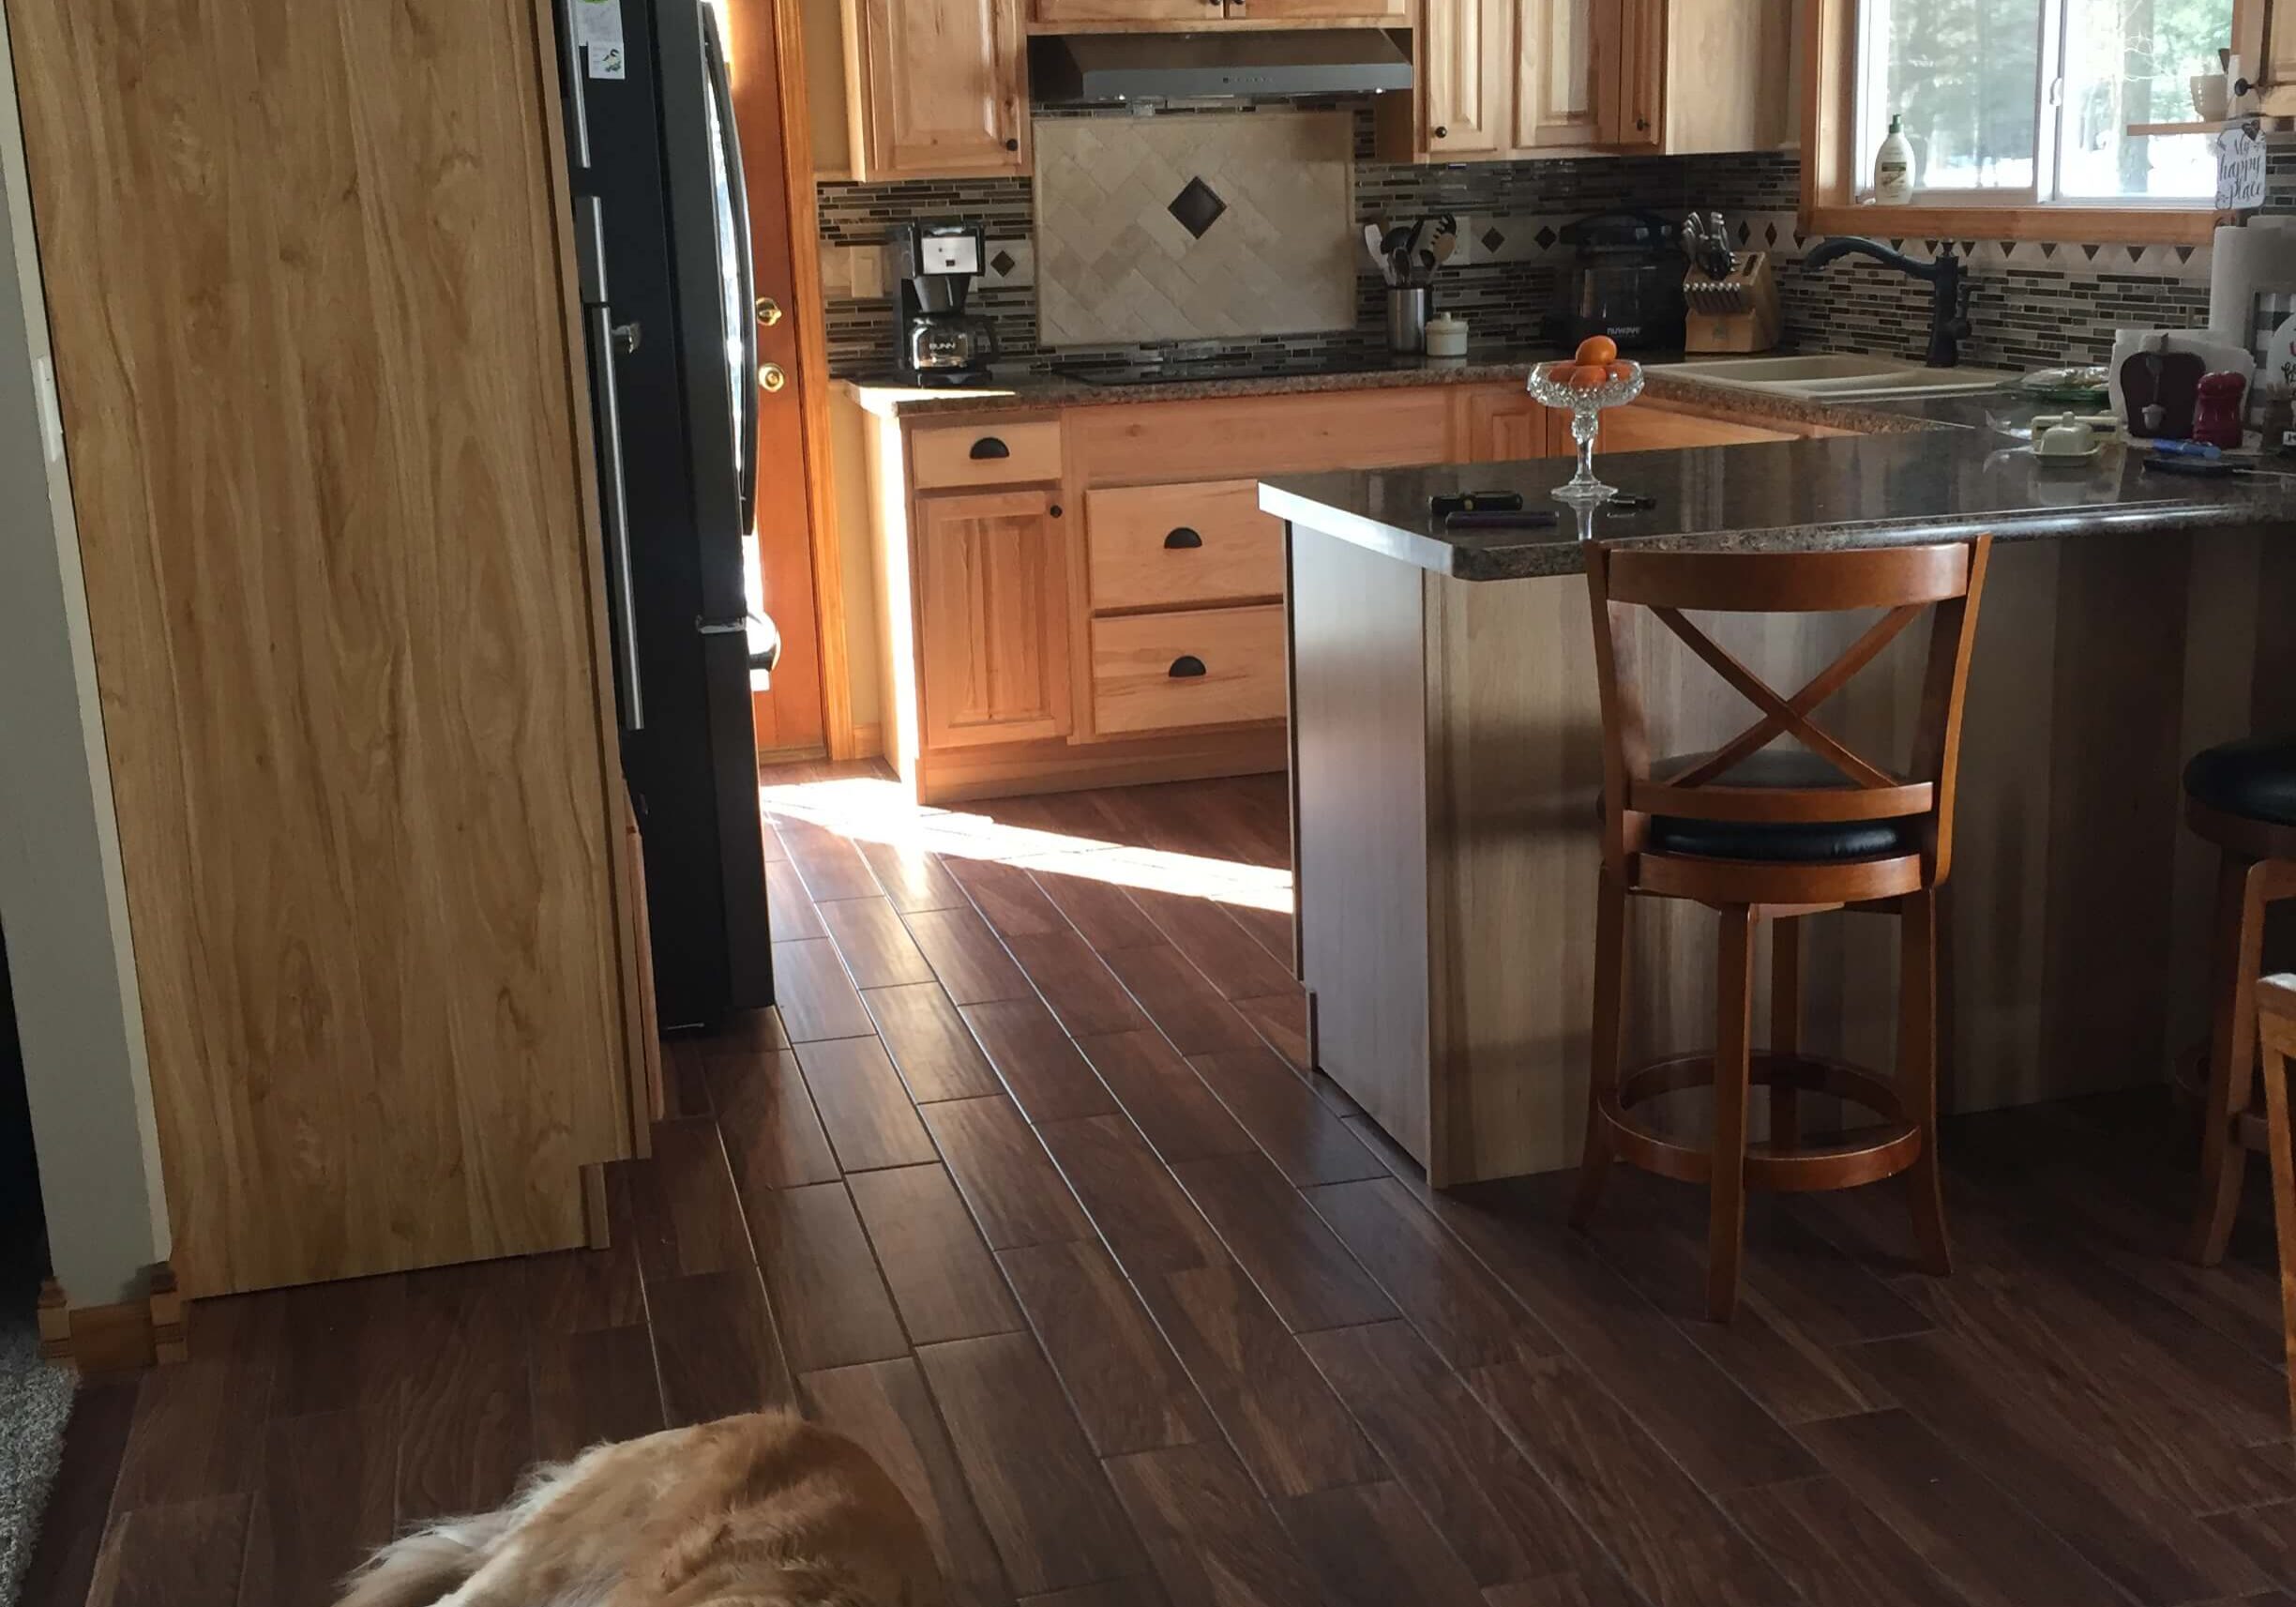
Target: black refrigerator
(662, 241)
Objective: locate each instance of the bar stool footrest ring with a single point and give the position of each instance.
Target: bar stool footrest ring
(1874, 1153)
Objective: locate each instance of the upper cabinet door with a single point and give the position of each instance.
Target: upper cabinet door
(946, 88)
(1555, 87)
(1071, 11)
(1391, 13)
(1630, 72)
(1463, 75)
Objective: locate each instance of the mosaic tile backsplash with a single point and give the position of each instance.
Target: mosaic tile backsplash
(2032, 304)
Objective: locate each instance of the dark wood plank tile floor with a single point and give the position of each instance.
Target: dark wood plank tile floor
(1025, 1188)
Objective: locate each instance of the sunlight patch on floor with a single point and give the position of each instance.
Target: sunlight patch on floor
(870, 810)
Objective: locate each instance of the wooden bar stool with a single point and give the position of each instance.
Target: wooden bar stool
(2276, 1027)
(2240, 797)
(1755, 833)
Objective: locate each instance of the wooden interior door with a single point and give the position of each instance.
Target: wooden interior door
(1464, 67)
(946, 87)
(789, 714)
(993, 622)
(1555, 74)
(309, 273)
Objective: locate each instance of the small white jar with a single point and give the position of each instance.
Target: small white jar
(1446, 336)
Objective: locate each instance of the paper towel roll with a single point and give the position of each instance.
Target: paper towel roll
(2259, 254)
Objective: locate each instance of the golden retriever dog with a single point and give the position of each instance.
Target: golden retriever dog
(767, 1511)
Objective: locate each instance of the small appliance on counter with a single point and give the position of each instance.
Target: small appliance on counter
(936, 341)
(1626, 284)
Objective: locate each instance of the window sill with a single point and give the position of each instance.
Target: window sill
(2064, 225)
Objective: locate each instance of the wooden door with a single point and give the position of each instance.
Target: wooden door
(1057, 11)
(993, 619)
(789, 714)
(946, 87)
(1630, 72)
(310, 274)
(1555, 74)
(1504, 426)
(1463, 69)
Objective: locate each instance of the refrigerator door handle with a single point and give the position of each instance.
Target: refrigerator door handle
(737, 196)
(613, 504)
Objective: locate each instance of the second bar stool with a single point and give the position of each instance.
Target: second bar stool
(1756, 833)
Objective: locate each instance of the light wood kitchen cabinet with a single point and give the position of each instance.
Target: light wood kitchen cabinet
(1625, 76)
(993, 617)
(1641, 428)
(936, 89)
(2264, 39)
(1153, 15)
(1504, 424)
(1556, 102)
(1463, 72)
(328, 435)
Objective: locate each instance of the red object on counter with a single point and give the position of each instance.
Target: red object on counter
(2216, 410)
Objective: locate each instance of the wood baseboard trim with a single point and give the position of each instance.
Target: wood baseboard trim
(131, 1335)
(868, 741)
(1007, 770)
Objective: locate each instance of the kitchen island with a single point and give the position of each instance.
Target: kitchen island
(1446, 760)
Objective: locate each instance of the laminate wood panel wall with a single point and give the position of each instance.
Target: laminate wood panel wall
(2074, 923)
(310, 285)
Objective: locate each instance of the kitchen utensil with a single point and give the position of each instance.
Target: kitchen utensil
(1718, 245)
(1446, 247)
(1407, 319)
(1375, 243)
(1735, 312)
(1693, 240)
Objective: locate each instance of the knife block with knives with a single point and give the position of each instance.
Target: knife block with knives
(1734, 312)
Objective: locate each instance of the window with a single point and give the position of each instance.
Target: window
(2029, 101)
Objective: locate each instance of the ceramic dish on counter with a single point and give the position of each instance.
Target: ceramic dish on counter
(2086, 386)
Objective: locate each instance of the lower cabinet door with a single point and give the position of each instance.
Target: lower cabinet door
(1161, 671)
(992, 612)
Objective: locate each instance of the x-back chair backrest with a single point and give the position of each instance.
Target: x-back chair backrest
(1944, 581)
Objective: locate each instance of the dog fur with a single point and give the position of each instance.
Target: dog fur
(765, 1510)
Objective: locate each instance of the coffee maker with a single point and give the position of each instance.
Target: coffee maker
(936, 341)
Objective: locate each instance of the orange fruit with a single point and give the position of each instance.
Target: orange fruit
(1622, 370)
(1597, 351)
(1586, 376)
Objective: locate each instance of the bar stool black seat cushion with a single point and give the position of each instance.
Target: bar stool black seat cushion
(2255, 780)
(1782, 842)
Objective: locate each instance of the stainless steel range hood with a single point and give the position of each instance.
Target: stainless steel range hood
(1077, 68)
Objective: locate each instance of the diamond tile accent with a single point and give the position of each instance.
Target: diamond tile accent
(1545, 239)
(1127, 251)
(1196, 207)
(1003, 263)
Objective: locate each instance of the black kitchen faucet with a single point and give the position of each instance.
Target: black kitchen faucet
(1949, 324)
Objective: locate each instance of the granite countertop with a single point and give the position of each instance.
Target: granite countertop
(1939, 484)
(1503, 365)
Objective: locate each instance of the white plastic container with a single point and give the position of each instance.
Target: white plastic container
(1893, 168)
(1446, 336)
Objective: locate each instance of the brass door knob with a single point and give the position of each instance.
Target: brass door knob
(772, 377)
(768, 311)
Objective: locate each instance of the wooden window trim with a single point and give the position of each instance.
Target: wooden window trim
(1829, 182)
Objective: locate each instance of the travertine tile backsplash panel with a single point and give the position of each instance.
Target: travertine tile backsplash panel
(1193, 228)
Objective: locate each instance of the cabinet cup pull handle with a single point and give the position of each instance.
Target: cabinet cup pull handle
(1186, 667)
(1012, 144)
(1441, 132)
(987, 448)
(1180, 539)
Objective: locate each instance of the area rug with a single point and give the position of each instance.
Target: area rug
(36, 1400)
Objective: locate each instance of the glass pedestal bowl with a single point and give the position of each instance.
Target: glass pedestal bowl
(1584, 404)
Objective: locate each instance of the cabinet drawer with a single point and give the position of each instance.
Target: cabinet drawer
(1153, 671)
(992, 452)
(1156, 546)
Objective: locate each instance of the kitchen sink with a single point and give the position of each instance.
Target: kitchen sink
(1837, 376)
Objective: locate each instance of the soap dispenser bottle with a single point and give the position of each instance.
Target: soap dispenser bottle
(1893, 167)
